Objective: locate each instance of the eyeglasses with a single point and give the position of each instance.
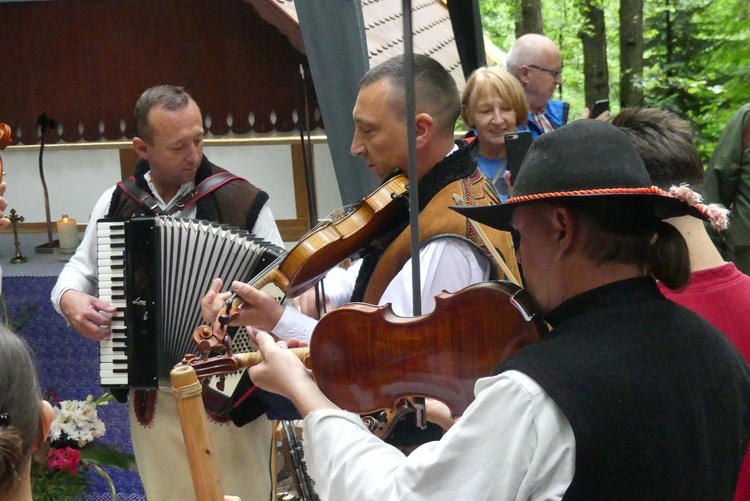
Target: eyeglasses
(555, 73)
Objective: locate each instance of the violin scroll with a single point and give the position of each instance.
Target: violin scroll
(5, 140)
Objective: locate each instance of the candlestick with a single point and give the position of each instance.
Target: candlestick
(67, 232)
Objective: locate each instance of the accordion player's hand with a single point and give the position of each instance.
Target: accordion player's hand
(214, 300)
(88, 315)
(259, 308)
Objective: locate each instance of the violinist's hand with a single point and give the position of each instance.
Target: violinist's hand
(4, 221)
(283, 373)
(295, 343)
(89, 315)
(252, 337)
(438, 413)
(214, 300)
(260, 309)
(307, 303)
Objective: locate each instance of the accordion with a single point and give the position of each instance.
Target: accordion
(154, 271)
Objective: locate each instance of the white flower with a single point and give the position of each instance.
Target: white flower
(77, 421)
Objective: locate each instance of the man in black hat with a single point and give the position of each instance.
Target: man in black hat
(630, 396)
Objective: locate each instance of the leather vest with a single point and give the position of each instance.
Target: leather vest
(237, 203)
(438, 219)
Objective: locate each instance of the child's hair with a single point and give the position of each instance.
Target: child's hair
(20, 409)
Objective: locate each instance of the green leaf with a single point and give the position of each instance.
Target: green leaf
(107, 456)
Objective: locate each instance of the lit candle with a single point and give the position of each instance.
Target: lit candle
(67, 232)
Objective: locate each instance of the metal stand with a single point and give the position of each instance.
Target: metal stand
(14, 220)
(48, 248)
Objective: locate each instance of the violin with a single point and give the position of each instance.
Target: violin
(348, 232)
(366, 359)
(5, 140)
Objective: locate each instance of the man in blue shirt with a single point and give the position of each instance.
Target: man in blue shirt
(536, 62)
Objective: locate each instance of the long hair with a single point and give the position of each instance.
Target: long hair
(628, 234)
(20, 409)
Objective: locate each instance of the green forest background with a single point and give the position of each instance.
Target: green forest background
(695, 53)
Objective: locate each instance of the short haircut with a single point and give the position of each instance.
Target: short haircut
(494, 82)
(664, 142)
(20, 398)
(526, 50)
(167, 97)
(435, 89)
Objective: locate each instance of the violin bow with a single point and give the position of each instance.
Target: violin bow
(411, 140)
(312, 193)
(412, 167)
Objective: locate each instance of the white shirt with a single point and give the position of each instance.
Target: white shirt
(446, 264)
(80, 273)
(512, 443)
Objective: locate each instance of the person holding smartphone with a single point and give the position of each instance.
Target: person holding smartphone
(492, 104)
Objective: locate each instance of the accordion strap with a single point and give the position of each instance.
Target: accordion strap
(145, 200)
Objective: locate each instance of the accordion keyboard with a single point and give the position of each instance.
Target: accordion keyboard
(113, 356)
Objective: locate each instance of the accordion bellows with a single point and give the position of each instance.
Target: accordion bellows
(155, 270)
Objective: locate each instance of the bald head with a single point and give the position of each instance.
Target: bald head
(536, 62)
(528, 49)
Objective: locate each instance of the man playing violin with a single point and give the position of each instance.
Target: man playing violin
(450, 258)
(444, 168)
(630, 396)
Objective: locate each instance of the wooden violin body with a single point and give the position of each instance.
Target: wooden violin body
(365, 358)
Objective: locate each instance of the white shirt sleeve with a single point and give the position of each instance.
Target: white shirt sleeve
(513, 443)
(265, 227)
(446, 264)
(80, 272)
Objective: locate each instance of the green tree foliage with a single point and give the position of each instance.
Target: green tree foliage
(696, 55)
(697, 62)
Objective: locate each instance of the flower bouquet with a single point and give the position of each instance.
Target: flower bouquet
(58, 472)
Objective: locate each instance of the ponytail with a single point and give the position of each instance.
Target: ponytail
(669, 259)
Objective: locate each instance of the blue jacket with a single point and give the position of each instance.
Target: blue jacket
(556, 113)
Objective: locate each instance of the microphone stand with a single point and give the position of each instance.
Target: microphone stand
(44, 122)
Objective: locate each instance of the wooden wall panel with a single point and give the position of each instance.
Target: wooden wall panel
(84, 63)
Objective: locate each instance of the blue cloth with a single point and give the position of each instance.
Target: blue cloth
(556, 113)
(69, 363)
(494, 169)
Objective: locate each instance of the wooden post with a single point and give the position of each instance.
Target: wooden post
(203, 469)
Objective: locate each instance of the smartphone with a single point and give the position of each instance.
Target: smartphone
(599, 107)
(516, 145)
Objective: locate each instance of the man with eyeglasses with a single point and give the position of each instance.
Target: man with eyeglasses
(536, 62)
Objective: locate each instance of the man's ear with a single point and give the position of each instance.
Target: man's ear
(565, 227)
(141, 147)
(47, 416)
(523, 74)
(424, 128)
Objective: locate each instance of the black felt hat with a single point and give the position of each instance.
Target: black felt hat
(588, 162)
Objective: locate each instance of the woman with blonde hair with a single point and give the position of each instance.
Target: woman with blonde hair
(492, 104)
